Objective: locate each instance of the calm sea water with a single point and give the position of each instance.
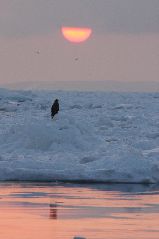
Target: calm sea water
(65, 211)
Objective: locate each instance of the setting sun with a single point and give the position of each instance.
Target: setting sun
(77, 35)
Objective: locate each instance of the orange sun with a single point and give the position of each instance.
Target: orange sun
(74, 34)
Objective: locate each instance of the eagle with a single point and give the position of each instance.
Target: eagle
(54, 108)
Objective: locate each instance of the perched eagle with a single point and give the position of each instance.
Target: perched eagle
(54, 108)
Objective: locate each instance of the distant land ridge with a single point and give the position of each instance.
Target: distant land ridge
(118, 86)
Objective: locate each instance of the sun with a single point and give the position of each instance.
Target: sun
(77, 35)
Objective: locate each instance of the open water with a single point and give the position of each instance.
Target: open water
(66, 211)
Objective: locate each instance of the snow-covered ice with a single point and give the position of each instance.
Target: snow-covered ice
(97, 136)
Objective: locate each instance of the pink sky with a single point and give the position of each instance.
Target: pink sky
(103, 57)
(123, 47)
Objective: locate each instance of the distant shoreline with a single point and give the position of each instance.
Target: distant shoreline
(108, 86)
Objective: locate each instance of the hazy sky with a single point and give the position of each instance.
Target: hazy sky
(124, 45)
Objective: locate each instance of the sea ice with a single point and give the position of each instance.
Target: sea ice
(96, 136)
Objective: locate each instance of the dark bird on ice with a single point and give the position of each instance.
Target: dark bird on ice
(54, 108)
